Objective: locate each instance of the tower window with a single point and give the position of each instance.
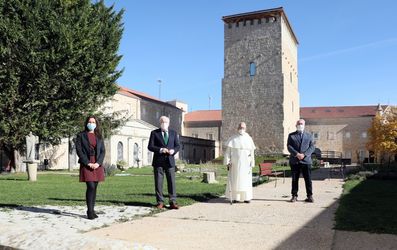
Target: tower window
(252, 69)
(290, 77)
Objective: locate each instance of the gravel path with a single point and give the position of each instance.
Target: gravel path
(63, 227)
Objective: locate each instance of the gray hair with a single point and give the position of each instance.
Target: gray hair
(164, 119)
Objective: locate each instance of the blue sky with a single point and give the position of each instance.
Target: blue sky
(347, 52)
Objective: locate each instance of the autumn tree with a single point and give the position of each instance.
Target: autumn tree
(383, 135)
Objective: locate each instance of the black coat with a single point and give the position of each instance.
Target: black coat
(156, 142)
(297, 145)
(83, 149)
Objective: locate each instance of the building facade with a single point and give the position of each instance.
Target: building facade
(342, 129)
(260, 84)
(129, 142)
(205, 124)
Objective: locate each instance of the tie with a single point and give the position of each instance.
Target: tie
(166, 137)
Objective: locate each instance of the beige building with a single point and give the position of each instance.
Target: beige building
(129, 142)
(338, 131)
(204, 124)
(342, 129)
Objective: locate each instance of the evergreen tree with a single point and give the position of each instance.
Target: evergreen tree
(58, 62)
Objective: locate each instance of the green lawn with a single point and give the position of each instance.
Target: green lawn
(64, 189)
(369, 205)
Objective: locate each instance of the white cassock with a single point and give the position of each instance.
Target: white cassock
(240, 151)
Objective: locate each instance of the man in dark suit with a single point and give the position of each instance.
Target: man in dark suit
(300, 145)
(164, 143)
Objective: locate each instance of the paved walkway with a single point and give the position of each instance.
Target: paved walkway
(268, 222)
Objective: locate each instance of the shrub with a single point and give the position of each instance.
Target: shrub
(315, 163)
(110, 170)
(122, 165)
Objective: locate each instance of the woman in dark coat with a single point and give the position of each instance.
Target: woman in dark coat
(91, 151)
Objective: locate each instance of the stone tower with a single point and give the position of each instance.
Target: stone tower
(260, 84)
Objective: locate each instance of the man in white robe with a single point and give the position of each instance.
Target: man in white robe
(240, 158)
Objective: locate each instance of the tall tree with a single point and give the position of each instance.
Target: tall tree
(58, 63)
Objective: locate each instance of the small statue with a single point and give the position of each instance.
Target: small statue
(31, 147)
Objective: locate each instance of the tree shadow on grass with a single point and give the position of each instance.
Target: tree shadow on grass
(7, 248)
(203, 197)
(114, 202)
(32, 209)
(13, 179)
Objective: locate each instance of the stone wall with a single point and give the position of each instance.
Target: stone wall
(203, 129)
(290, 78)
(152, 110)
(257, 100)
(196, 150)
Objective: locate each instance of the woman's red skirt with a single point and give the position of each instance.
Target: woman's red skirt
(88, 174)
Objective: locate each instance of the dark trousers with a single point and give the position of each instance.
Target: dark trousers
(90, 195)
(158, 183)
(306, 172)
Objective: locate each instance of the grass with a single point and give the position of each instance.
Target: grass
(368, 205)
(65, 189)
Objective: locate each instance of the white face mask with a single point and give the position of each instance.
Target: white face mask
(241, 131)
(164, 126)
(300, 127)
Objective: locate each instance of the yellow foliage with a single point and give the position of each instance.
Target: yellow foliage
(383, 134)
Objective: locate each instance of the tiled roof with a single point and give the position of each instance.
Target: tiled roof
(137, 93)
(204, 115)
(124, 91)
(134, 93)
(337, 112)
(305, 112)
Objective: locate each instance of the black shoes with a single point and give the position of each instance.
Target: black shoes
(247, 201)
(91, 215)
(308, 199)
(173, 206)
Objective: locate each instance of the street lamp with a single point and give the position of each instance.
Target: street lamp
(159, 82)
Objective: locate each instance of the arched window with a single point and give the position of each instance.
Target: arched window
(120, 151)
(136, 152)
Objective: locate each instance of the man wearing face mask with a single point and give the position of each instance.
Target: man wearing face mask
(240, 159)
(301, 147)
(164, 143)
